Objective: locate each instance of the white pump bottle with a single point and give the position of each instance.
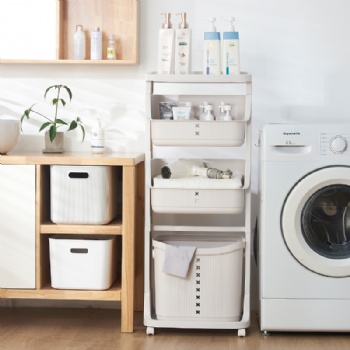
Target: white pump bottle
(166, 47)
(97, 137)
(212, 53)
(230, 50)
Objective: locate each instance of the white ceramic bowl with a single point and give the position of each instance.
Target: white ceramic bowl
(9, 133)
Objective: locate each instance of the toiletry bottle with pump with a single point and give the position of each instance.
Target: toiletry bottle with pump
(202, 110)
(96, 44)
(79, 43)
(221, 113)
(166, 47)
(227, 115)
(212, 51)
(97, 138)
(230, 50)
(111, 48)
(182, 46)
(208, 113)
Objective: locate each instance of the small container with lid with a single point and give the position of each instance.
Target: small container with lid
(79, 43)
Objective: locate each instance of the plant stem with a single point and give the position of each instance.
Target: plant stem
(42, 116)
(58, 99)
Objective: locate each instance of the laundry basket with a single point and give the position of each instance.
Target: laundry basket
(212, 289)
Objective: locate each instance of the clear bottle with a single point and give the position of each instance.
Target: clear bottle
(227, 116)
(96, 44)
(111, 48)
(79, 43)
(202, 110)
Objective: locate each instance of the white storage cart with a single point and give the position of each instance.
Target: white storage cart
(210, 210)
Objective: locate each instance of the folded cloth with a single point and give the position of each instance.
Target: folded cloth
(177, 259)
(199, 182)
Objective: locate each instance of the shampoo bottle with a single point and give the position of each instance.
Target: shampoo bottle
(97, 138)
(230, 50)
(212, 61)
(96, 44)
(79, 43)
(166, 47)
(182, 46)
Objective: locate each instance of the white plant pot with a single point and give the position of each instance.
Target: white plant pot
(56, 146)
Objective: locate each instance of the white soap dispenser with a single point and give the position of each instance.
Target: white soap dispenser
(221, 113)
(182, 46)
(208, 113)
(166, 47)
(230, 50)
(97, 137)
(79, 43)
(227, 116)
(212, 52)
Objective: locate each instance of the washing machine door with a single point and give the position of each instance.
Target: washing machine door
(315, 221)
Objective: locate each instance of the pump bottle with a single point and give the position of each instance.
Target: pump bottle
(166, 47)
(230, 50)
(208, 113)
(182, 46)
(212, 53)
(79, 43)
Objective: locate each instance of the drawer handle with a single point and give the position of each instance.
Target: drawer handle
(79, 250)
(77, 175)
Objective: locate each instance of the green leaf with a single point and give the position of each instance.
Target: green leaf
(63, 102)
(49, 88)
(52, 132)
(54, 101)
(68, 91)
(83, 131)
(73, 125)
(60, 121)
(45, 125)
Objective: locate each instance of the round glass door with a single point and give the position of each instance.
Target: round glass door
(315, 221)
(325, 222)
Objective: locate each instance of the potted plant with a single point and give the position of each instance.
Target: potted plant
(54, 137)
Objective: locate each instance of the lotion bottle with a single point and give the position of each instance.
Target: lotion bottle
(97, 138)
(166, 47)
(221, 114)
(212, 53)
(230, 50)
(182, 46)
(79, 43)
(96, 44)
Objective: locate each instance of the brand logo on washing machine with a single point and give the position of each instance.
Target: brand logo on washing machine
(291, 133)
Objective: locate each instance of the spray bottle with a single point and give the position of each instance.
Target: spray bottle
(212, 61)
(97, 137)
(230, 50)
(166, 47)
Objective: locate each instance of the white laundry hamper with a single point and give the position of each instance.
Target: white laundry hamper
(212, 290)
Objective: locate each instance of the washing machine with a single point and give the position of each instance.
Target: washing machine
(304, 227)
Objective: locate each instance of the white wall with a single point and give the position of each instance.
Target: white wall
(297, 51)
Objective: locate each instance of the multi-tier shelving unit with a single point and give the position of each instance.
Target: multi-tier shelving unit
(217, 212)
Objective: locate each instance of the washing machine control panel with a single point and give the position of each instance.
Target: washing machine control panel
(334, 144)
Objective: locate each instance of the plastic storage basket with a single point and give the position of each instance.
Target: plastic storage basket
(82, 194)
(82, 263)
(212, 290)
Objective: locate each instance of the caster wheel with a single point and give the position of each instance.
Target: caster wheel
(241, 332)
(150, 331)
(266, 333)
